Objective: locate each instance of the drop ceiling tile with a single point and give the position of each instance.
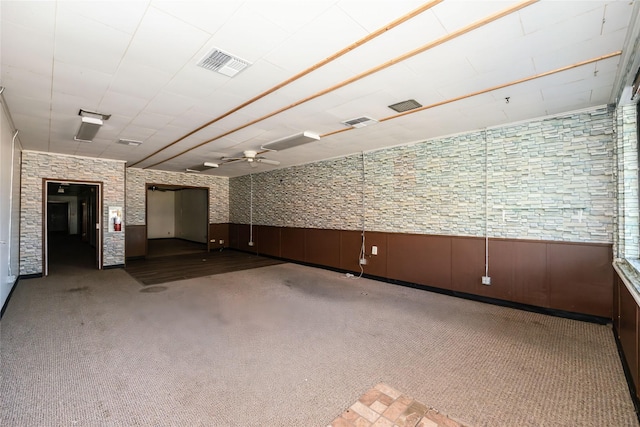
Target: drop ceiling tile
(119, 103)
(208, 16)
(80, 81)
(120, 15)
(238, 35)
(295, 55)
(87, 43)
(139, 80)
(169, 104)
(543, 15)
(164, 42)
(151, 120)
(36, 16)
(34, 54)
(25, 84)
(459, 14)
(195, 82)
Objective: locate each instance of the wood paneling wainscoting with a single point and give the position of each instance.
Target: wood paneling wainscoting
(570, 277)
(626, 325)
(135, 241)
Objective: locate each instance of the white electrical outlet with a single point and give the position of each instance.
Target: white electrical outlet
(363, 261)
(374, 250)
(486, 280)
(212, 240)
(250, 243)
(221, 242)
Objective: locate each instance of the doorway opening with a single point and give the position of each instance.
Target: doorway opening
(177, 220)
(72, 237)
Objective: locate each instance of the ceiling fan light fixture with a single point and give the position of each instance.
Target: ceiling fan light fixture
(292, 141)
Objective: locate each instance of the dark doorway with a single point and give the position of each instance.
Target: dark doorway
(72, 237)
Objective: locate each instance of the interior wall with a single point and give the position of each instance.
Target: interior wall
(161, 222)
(548, 179)
(10, 158)
(191, 214)
(136, 192)
(37, 166)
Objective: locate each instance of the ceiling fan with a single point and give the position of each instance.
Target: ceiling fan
(252, 157)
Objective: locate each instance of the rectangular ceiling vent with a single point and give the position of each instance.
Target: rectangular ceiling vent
(223, 63)
(403, 106)
(360, 122)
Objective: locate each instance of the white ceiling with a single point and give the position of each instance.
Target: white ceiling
(136, 60)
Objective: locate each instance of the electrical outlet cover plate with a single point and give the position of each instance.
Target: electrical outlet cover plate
(486, 280)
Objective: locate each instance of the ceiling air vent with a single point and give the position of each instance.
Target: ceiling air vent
(360, 122)
(403, 106)
(223, 63)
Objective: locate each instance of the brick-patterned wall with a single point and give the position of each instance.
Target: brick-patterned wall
(136, 192)
(548, 179)
(628, 219)
(39, 165)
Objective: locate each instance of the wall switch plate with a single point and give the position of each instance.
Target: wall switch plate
(221, 242)
(486, 280)
(363, 261)
(374, 250)
(212, 240)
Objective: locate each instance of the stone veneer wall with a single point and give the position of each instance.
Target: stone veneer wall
(628, 217)
(38, 165)
(136, 192)
(548, 179)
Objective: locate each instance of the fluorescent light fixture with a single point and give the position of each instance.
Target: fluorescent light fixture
(292, 141)
(202, 167)
(88, 129)
(130, 142)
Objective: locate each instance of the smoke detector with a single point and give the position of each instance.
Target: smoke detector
(223, 62)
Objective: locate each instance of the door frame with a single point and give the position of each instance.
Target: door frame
(147, 187)
(98, 227)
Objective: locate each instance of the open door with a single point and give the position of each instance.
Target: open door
(72, 234)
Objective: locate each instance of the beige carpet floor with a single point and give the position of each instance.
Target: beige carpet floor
(290, 345)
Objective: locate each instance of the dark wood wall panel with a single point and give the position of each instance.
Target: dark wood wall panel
(421, 259)
(268, 240)
(292, 246)
(531, 284)
(572, 277)
(580, 278)
(467, 264)
(135, 241)
(234, 241)
(218, 232)
(322, 247)
(628, 330)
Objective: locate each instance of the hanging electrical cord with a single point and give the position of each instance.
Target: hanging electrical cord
(251, 210)
(361, 257)
(486, 204)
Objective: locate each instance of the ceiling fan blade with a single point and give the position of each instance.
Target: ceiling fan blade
(268, 162)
